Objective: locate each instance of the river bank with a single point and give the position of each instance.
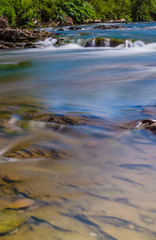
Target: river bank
(26, 38)
(19, 38)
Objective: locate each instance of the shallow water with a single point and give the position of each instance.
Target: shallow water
(103, 185)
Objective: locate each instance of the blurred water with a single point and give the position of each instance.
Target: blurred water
(105, 188)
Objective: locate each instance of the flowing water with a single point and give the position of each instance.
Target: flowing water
(101, 182)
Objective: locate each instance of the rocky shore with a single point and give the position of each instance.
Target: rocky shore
(20, 38)
(27, 38)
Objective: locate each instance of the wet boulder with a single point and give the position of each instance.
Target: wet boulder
(104, 42)
(60, 29)
(149, 124)
(73, 28)
(62, 41)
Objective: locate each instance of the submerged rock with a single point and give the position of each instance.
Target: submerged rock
(10, 220)
(14, 66)
(104, 42)
(69, 119)
(21, 204)
(35, 151)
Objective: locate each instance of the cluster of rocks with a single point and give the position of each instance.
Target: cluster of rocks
(110, 21)
(101, 27)
(14, 38)
(106, 27)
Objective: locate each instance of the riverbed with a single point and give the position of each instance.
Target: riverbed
(95, 176)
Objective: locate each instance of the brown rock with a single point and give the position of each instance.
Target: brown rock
(68, 21)
(93, 21)
(21, 204)
(97, 21)
(12, 38)
(106, 27)
(7, 44)
(16, 35)
(3, 46)
(3, 23)
(74, 28)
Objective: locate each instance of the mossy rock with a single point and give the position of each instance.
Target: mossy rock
(114, 42)
(36, 151)
(10, 220)
(70, 119)
(104, 42)
(15, 66)
(61, 41)
(101, 41)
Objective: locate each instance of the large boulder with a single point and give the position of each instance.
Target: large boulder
(104, 42)
(3, 23)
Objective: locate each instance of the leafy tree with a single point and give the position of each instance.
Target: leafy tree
(7, 9)
(141, 10)
(24, 12)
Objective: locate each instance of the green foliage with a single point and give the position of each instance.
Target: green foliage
(26, 12)
(79, 10)
(47, 9)
(143, 10)
(112, 9)
(8, 10)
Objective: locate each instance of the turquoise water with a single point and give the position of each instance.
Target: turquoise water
(105, 189)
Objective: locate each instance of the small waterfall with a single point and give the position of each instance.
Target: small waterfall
(138, 44)
(79, 41)
(90, 43)
(107, 42)
(93, 43)
(47, 42)
(128, 44)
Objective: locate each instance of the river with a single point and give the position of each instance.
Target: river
(99, 179)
